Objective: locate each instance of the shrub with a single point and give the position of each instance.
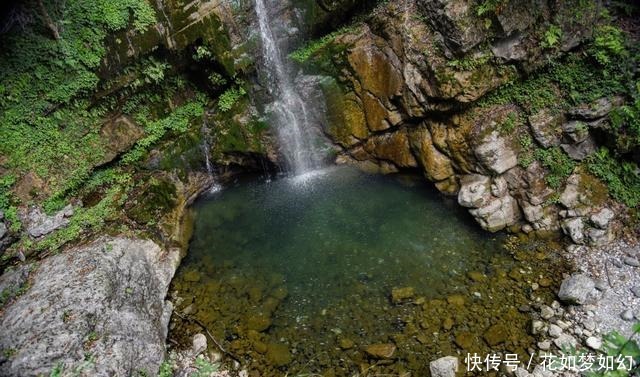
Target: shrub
(559, 164)
(229, 98)
(619, 348)
(608, 44)
(303, 54)
(621, 177)
(552, 36)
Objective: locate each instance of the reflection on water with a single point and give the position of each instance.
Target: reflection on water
(297, 275)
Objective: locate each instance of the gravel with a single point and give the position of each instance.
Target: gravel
(623, 293)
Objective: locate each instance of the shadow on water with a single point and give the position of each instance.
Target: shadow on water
(297, 274)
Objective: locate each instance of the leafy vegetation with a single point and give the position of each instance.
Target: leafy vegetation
(178, 120)
(509, 124)
(48, 125)
(559, 164)
(608, 45)
(486, 7)
(619, 347)
(9, 210)
(230, 97)
(552, 36)
(166, 369)
(469, 63)
(625, 121)
(621, 177)
(303, 54)
(205, 368)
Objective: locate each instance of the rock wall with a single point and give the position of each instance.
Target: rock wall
(98, 309)
(406, 89)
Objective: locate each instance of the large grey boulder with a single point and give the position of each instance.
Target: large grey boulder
(39, 223)
(575, 131)
(496, 153)
(602, 218)
(545, 127)
(581, 150)
(104, 299)
(574, 228)
(576, 289)
(444, 367)
(497, 214)
(510, 48)
(456, 21)
(475, 190)
(597, 109)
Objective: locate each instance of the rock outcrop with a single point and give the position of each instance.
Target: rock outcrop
(405, 89)
(98, 307)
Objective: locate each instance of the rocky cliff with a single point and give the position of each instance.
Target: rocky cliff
(500, 103)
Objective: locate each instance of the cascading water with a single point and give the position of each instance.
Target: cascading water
(205, 147)
(215, 187)
(290, 110)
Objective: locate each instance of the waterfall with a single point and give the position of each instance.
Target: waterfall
(290, 110)
(205, 147)
(215, 187)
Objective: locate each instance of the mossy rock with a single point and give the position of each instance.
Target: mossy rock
(183, 153)
(346, 121)
(155, 197)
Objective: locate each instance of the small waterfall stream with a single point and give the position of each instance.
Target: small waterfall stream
(291, 114)
(205, 147)
(215, 187)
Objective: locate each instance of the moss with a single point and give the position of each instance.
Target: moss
(237, 131)
(622, 178)
(183, 153)
(159, 197)
(345, 116)
(595, 190)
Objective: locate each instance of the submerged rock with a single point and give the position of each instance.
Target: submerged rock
(495, 335)
(444, 367)
(576, 289)
(258, 322)
(278, 354)
(381, 351)
(346, 343)
(399, 295)
(105, 298)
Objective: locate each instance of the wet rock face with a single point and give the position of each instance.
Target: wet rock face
(178, 26)
(105, 299)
